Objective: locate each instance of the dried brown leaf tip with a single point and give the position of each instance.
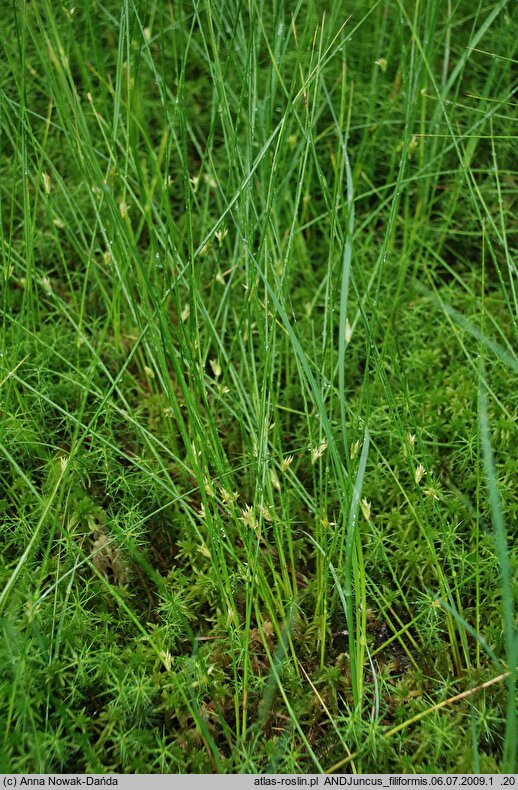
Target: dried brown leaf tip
(106, 559)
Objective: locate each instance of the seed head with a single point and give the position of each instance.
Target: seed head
(419, 473)
(317, 452)
(286, 462)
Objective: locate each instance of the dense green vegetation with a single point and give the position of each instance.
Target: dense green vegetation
(258, 452)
